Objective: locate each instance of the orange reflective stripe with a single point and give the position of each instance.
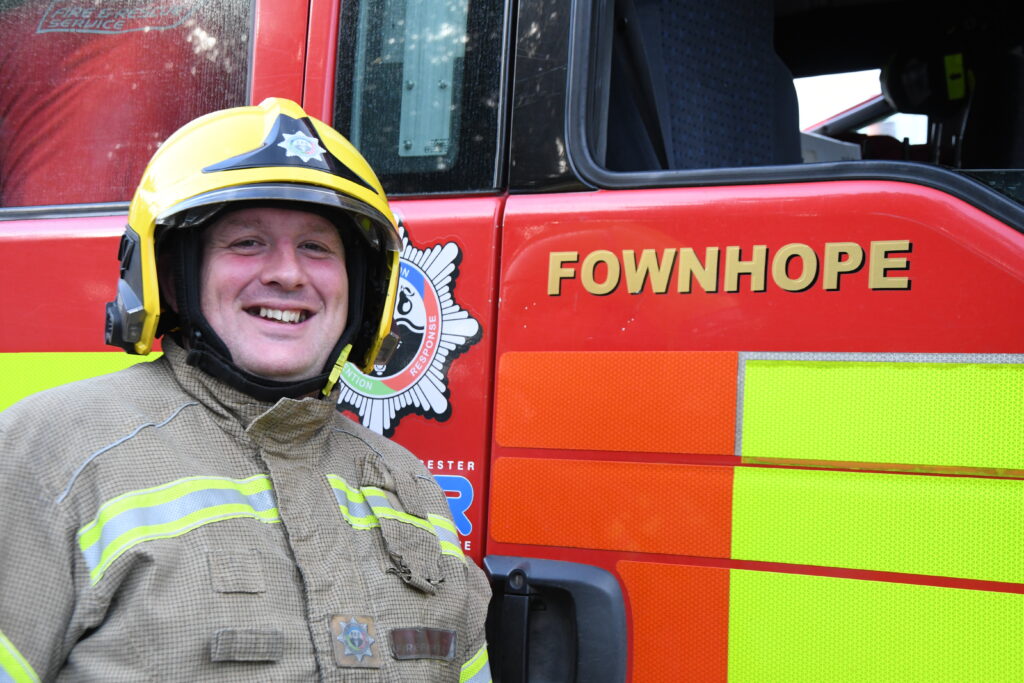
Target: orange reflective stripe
(680, 621)
(654, 401)
(639, 507)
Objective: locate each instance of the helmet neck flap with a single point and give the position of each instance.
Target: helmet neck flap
(208, 352)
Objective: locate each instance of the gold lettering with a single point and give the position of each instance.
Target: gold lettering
(755, 268)
(780, 267)
(834, 264)
(882, 262)
(557, 272)
(587, 272)
(637, 272)
(601, 271)
(691, 268)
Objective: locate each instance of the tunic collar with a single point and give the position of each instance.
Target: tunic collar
(288, 421)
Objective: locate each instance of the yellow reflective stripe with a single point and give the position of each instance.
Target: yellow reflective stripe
(158, 495)
(917, 411)
(378, 500)
(29, 373)
(477, 669)
(13, 666)
(448, 536)
(794, 628)
(439, 521)
(444, 530)
(967, 527)
(352, 504)
(171, 510)
(453, 550)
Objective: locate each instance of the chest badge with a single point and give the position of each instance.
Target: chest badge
(355, 641)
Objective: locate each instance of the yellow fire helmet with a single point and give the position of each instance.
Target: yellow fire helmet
(271, 154)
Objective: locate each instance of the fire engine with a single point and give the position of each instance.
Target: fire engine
(713, 395)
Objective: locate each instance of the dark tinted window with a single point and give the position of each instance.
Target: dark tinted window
(702, 85)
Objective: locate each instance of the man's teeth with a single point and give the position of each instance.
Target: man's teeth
(283, 316)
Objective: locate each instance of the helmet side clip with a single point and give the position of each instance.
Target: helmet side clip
(126, 315)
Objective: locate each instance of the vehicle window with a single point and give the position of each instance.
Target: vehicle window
(912, 129)
(419, 91)
(89, 90)
(823, 97)
(698, 85)
(830, 103)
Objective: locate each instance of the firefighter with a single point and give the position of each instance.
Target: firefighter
(210, 515)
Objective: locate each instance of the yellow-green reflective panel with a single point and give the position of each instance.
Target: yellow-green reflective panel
(945, 414)
(966, 527)
(786, 627)
(24, 374)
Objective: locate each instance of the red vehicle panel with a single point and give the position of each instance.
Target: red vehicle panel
(955, 257)
(712, 398)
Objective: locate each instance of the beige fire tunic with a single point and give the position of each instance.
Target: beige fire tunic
(156, 524)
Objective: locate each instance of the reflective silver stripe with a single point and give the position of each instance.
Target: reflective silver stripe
(445, 535)
(171, 510)
(375, 497)
(477, 669)
(13, 665)
(352, 503)
(448, 536)
(378, 500)
(364, 508)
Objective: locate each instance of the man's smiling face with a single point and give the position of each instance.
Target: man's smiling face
(273, 286)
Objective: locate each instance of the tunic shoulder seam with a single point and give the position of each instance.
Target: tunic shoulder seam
(100, 451)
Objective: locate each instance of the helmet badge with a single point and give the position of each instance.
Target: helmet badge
(300, 145)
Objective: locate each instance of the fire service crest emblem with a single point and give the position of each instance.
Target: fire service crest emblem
(432, 330)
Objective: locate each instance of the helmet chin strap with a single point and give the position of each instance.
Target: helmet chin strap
(204, 357)
(208, 352)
